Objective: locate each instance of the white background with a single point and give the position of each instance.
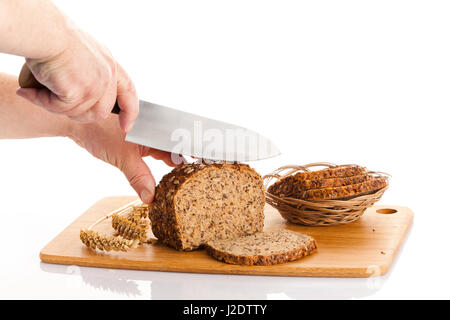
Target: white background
(362, 82)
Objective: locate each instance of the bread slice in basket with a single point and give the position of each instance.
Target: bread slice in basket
(347, 170)
(345, 192)
(263, 248)
(340, 182)
(196, 203)
(291, 187)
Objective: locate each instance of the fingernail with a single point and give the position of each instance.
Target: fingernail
(129, 127)
(146, 196)
(177, 159)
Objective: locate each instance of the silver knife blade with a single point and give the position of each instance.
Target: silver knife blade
(185, 133)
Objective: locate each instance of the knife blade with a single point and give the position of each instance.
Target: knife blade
(185, 133)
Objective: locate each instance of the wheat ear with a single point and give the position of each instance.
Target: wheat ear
(129, 227)
(132, 225)
(94, 240)
(139, 212)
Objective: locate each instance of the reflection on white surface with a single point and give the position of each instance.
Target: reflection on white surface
(102, 279)
(171, 285)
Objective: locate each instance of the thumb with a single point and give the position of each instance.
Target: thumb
(43, 98)
(140, 178)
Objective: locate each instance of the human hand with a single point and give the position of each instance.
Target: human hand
(106, 141)
(82, 82)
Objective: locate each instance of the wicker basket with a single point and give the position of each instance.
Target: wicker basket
(319, 212)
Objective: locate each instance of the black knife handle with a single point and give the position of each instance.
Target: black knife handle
(116, 108)
(27, 80)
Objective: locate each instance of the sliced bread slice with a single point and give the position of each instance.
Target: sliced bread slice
(346, 170)
(289, 185)
(263, 248)
(345, 192)
(294, 188)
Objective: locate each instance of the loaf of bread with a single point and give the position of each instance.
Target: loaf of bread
(197, 203)
(263, 248)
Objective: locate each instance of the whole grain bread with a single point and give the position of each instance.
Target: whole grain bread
(297, 185)
(291, 187)
(263, 248)
(345, 192)
(196, 203)
(347, 170)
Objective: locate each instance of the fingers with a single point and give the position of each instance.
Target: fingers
(102, 109)
(140, 178)
(127, 99)
(80, 82)
(89, 109)
(172, 160)
(44, 98)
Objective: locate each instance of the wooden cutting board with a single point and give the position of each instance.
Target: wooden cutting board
(363, 248)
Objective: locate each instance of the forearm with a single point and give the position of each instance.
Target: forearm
(21, 119)
(25, 25)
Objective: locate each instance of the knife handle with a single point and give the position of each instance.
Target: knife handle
(27, 80)
(116, 108)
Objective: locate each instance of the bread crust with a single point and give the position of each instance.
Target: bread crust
(264, 260)
(163, 217)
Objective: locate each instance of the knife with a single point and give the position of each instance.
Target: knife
(185, 133)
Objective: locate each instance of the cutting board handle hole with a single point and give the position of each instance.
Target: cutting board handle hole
(386, 211)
